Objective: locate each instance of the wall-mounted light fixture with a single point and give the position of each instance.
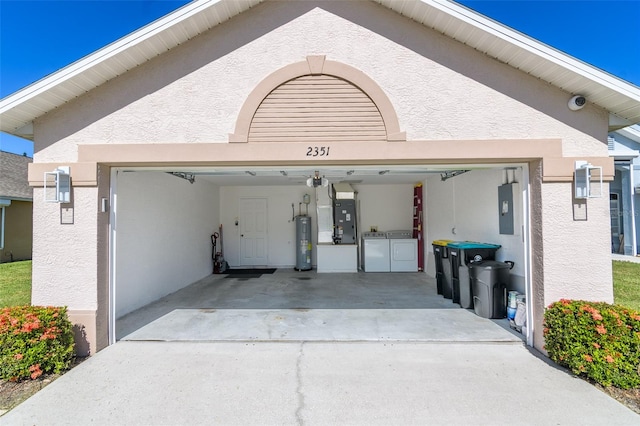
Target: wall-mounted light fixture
(58, 183)
(588, 180)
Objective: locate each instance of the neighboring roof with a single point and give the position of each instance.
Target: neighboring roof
(498, 41)
(14, 184)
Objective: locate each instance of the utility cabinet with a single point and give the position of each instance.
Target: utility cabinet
(344, 214)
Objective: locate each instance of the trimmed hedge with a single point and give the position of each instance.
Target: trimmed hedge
(595, 339)
(34, 340)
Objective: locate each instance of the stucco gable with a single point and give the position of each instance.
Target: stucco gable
(440, 89)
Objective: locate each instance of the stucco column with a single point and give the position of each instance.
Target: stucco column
(68, 268)
(570, 247)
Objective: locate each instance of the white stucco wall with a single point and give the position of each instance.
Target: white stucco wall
(441, 89)
(163, 234)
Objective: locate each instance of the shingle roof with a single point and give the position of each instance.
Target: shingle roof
(13, 177)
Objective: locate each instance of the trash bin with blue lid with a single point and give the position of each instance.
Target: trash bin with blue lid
(461, 255)
(443, 268)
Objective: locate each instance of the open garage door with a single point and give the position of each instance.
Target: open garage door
(163, 219)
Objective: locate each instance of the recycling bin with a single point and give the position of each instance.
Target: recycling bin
(461, 255)
(441, 255)
(489, 281)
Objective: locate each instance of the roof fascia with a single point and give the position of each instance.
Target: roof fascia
(136, 37)
(529, 44)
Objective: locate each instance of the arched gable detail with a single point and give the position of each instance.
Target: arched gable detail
(335, 75)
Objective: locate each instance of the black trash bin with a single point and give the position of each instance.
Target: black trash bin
(441, 255)
(489, 280)
(461, 255)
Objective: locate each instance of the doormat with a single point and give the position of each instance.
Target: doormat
(251, 271)
(245, 274)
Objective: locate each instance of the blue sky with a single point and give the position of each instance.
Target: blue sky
(38, 38)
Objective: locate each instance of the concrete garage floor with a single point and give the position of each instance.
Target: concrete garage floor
(293, 305)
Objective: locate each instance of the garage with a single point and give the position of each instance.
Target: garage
(164, 220)
(220, 113)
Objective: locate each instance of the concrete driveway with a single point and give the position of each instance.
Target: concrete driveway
(318, 383)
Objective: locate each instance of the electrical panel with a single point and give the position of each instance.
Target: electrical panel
(505, 208)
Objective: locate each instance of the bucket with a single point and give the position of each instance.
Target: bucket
(511, 312)
(521, 314)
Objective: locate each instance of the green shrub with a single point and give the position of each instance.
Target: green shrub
(34, 340)
(598, 340)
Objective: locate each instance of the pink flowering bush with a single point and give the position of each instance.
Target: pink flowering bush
(597, 340)
(34, 340)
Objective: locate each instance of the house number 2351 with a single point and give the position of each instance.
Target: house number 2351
(318, 151)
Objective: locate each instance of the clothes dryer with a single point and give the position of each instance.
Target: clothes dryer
(403, 251)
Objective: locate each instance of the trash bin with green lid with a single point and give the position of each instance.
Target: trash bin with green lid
(489, 281)
(461, 254)
(441, 255)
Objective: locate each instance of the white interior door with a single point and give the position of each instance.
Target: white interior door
(253, 232)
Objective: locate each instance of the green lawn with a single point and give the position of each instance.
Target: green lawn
(626, 284)
(15, 283)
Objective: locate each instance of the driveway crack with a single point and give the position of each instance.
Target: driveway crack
(299, 393)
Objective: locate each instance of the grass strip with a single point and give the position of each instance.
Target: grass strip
(626, 284)
(15, 283)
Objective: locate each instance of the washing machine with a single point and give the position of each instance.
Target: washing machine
(375, 252)
(403, 251)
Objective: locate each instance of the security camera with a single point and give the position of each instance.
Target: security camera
(577, 102)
